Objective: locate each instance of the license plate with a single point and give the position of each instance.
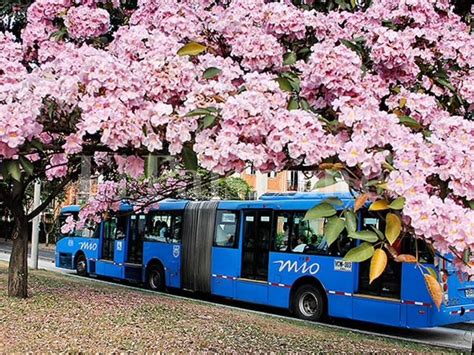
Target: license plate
(469, 292)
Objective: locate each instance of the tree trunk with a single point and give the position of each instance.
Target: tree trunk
(18, 268)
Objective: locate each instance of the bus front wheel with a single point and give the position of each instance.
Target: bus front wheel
(156, 278)
(308, 303)
(81, 265)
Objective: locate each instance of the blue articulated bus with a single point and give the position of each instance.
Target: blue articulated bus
(264, 252)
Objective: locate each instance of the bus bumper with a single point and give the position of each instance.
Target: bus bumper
(453, 314)
(64, 260)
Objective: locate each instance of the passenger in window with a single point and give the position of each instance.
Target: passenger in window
(300, 245)
(230, 241)
(177, 232)
(286, 236)
(164, 231)
(120, 233)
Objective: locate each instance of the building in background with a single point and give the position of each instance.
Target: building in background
(285, 181)
(78, 193)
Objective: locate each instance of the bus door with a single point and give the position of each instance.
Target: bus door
(257, 231)
(134, 255)
(226, 255)
(113, 247)
(135, 240)
(379, 301)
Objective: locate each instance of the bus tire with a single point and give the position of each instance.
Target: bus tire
(81, 265)
(308, 303)
(156, 278)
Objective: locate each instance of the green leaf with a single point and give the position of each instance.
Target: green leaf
(324, 182)
(189, 158)
(366, 235)
(471, 204)
(445, 83)
(351, 221)
(293, 104)
(409, 122)
(397, 204)
(208, 121)
(333, 229)
(334, 201)
(466, 256)
(293, 80)
(289, 58)
(304, 104)
(320, 211)
(284, 84)
(350, 45)
(37, 144)
(13, 169)
(389, 24)
(198, 112)
(192, 48)
(378, 232)
(27, 166)
(211, 72)
(360, 253)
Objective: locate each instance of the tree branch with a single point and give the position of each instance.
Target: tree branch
(56, 191)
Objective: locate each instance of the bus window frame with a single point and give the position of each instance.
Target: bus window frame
(171, 229)
(238, 221)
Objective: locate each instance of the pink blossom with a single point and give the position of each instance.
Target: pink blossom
(85, 22)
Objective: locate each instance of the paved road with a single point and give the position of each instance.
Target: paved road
(459, 337)
(6, 248)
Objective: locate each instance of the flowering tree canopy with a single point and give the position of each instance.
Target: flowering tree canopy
(380, 93)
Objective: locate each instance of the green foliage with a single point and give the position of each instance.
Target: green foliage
(320, 211)
(397, 204)
(360, 253)
(365, 235)
(325, 182)
(351, 221)
(211, 73)
(189, 158)
(289, 58)
(333, 229)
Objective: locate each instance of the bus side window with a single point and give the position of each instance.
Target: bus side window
(225, 233)
(282, 232)
(121, 227)
(177, 228)
(308, 235)
(163, 227)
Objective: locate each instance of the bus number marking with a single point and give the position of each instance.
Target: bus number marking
(341, 265)
(293, 266)
(87, 246)
(176, 251)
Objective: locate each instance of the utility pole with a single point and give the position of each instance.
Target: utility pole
(35, 226)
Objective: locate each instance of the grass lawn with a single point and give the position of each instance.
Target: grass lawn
(65, 314)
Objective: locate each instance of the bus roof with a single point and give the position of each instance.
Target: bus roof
(305, 195)
(127, 207)
(70, 209)
(277, 201)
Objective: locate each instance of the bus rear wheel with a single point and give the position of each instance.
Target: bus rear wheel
(308, 303)
(81, 265)
(156, 278)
